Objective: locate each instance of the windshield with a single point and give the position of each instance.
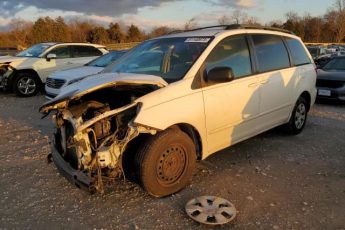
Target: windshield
(106, 59)
(168, 58)
(335, 64)
(34, 51)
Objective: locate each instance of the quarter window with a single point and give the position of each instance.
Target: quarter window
(271, 52)
(298, 52)
(231, 52)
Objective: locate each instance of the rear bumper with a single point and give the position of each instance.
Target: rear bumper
(78, 178)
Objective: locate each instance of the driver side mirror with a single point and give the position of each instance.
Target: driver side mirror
(219, 75)
(51, 56)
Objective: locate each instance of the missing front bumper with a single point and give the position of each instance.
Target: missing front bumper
(78, 178)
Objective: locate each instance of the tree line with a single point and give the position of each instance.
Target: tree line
(329, 28)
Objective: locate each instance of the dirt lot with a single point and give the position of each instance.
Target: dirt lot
(275, 181)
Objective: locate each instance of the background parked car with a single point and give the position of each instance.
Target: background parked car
(29, 69)
(321, 61)
(331, 79)
(316, 51)
(59, 79)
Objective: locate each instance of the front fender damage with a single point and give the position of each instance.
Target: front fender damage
(93, 131)
(87, 160)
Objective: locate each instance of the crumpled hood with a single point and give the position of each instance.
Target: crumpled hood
(75, 73)
(100, 81)
(330, 75)
(9, 59)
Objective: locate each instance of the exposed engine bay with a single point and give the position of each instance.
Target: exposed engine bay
(5, 71)
(93, 131)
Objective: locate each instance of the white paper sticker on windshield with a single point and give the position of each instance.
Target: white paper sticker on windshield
(200, 40)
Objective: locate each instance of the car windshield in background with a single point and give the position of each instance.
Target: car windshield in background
(106, 59)
(313, 51)
(34, 51)
(169, 58)
(336, 64)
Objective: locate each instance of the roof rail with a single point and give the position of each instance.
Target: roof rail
(236, 26)
(246, 26)
(196, 29)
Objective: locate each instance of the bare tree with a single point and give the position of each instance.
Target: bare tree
(339, 20)
(191, 24)
(252, 21)
(224, 20)
(339, 5)
(238, 16)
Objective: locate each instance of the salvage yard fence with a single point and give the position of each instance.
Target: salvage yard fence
(322, 44)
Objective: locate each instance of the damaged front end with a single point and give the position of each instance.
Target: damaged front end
(93, 129)
(6, 70)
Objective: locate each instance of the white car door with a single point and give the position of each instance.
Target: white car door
(46, 66)
(277, 79)
(231, 109)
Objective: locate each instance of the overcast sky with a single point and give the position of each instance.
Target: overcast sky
(151, 13)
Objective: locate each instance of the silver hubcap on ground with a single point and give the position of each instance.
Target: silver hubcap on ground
(26, 85)
(300, 116)
(210, 210)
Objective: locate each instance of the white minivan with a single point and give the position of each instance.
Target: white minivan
(27, 72)
(179, 98)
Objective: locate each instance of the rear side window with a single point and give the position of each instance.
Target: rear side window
(232, 52)
(271, 52)
(298, 53)
(85, 51)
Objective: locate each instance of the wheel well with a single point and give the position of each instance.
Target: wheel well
(31, 71)
(307, 97)
(194, 135)
(128, 156)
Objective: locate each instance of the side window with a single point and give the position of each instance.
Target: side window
(271, 52)
(232, 52)
(298, 53)
(85, 51)
(61, 52)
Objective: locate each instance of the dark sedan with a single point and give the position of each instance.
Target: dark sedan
(331, 80)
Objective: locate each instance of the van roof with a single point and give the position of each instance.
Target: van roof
(214, 30)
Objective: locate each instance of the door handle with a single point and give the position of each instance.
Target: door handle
(252, 85)
(263, 82)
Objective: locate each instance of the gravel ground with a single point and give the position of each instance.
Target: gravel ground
(274, 180)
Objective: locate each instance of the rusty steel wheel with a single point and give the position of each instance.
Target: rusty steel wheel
(210, 210)
(166, 162)
(171, 165)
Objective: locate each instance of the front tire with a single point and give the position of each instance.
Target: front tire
(298, 117)
(26, 85)
(166, 162)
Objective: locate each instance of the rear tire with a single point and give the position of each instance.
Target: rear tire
(166, 162)
(298, 117)
(26, 84)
